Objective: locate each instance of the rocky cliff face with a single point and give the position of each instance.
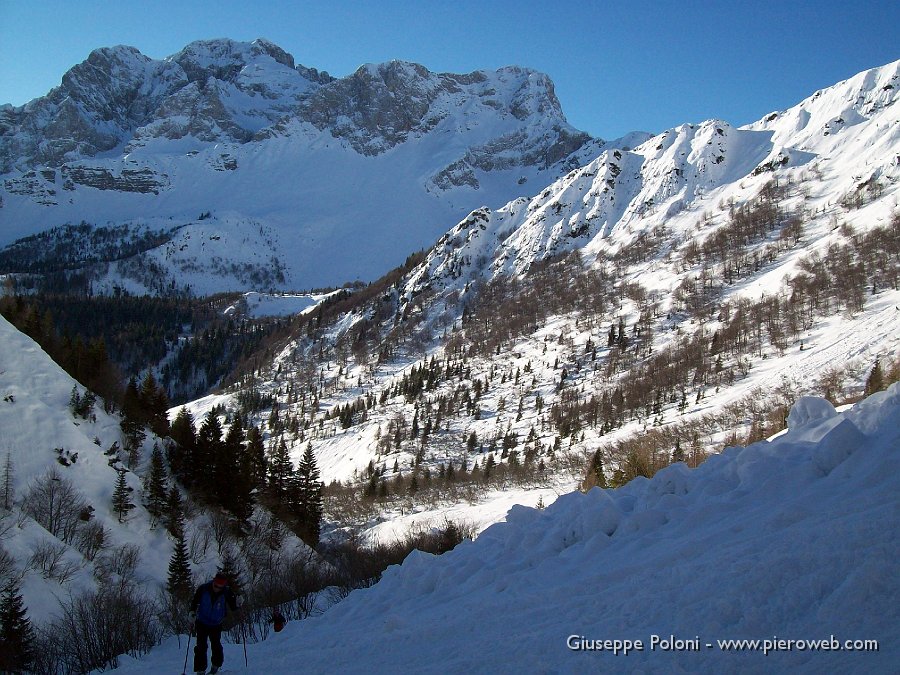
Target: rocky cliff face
(96, 108)
(221, 90)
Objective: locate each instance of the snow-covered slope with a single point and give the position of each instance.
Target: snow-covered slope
(40, 434)
(838, 143)
(795, 539)
(350, 174)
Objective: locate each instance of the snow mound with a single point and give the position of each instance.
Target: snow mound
(809, 409)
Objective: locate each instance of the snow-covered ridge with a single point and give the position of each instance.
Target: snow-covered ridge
(837, 140)
(792, 539)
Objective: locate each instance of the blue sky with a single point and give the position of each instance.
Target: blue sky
(617, 66)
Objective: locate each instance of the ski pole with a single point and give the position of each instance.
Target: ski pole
(187, 651)
(244, 640)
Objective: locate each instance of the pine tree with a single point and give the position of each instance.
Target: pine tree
(308, 501)
(256, 452)
(7, 482)
(131, 401)
(678, 452)
(134, 418)
(121, 499)
(181, 455)
(208, 456)
(134, 435)
(488, 467)
(179, 581)
(236, 471)
(175, 513)
(154, 405)
(16, 633)
(371, 486)
(280, 472)
(156, 486)
(231, 569)
(595, 477)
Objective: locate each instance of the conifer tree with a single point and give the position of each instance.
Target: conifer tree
(488, 467)
(16, 633)
(372, 486)
(131, 402)
(134, 436)
(281, 471)
(175, 513)
(121, 499)
(308, 501)
(231, 569)
(154, 405)
(236, 471)
(208, 455)
(232, 450)
(7, 482)
(595, 477)
(134, 418)
(256, 453)
(181, 455)
(156, 487)
(677, 452)
(179, 582)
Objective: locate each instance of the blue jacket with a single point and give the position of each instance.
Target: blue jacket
(210, 606)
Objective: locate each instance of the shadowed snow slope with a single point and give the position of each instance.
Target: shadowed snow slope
(795, 539)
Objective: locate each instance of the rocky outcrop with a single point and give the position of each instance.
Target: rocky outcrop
(129, 180)
(39, 185)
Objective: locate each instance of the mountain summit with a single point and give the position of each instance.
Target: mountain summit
(286, 162)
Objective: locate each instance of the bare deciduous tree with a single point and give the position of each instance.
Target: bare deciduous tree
(54, 502)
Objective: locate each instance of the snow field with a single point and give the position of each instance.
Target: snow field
(793, 539)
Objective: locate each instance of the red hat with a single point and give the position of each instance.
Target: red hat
(220, 580)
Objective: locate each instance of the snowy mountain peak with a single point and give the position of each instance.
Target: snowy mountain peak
(224, 59)
(239, 131)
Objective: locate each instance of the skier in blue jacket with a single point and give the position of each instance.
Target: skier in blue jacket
(209, 607)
